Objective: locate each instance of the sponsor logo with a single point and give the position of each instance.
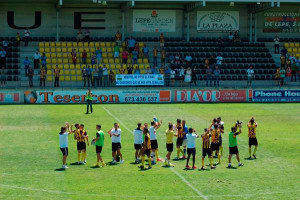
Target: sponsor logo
(30, 97)
(165, 96)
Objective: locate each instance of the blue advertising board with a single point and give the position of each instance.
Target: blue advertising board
(276, 96)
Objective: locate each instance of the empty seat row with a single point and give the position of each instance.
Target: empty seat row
(213, 44)
(224, 55)
(215, 49)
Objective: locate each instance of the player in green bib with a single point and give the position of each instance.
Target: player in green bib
(99, 142)
(233, 149)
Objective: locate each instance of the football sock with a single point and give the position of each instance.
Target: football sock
(83, 156)
(103, 163)
(178, 152)
(211, 161)
(97, 163)
(182, 152)
(78, 157)
(202, 162)
(221, 148)
(250, 151)
(156, 154)
(219, 157)
(149, 161)
(143, 161)
(254, 150)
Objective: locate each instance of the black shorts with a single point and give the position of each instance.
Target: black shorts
(191, 151)
(220, 140)
(115, 146)
(65, 151)
(146, 152)
(206, 151)
(179, 141)
(253, 141)
(98, 149)
(137, 146)
(169, 147)
(215, 146)
(154, 144)
(81, 146)
(233, 150)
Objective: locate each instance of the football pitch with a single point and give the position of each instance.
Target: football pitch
(31, 159)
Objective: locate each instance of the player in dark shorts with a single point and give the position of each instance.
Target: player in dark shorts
(252, 125)
(233, 149)
(180, 137)
(215, 136)
(206, 150)
(169, 144)
(147, 149)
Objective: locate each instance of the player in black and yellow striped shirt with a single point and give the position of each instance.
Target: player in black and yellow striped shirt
(252, 125)
(206, 148)
(82, 137)
(215, 140)
(147, 149)
(180, 135)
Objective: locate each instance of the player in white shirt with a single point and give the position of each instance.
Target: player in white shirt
(138, 141)
(153, 139)
(63, 143)
(191, 147)
(115, 134)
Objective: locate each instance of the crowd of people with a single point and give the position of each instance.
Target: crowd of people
(146, 143)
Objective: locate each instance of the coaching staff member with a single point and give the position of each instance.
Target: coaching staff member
(89, 101)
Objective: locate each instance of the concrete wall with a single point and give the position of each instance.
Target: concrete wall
(24, 16)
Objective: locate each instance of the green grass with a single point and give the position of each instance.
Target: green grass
(29, 154)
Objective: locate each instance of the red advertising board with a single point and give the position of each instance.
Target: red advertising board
(9, 97)
(210, 96)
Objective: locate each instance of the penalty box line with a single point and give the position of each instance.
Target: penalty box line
(173, 170)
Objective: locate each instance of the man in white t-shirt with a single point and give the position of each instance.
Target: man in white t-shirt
(250, 73)
(115, 134)
(191, 147)
(63, 143)
(138, 141)
(219, 59)
(153, 139)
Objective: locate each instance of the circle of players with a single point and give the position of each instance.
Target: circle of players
(146, 145)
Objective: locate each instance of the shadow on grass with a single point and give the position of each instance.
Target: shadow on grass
(95, 167)
(75, 163)
(249, 159)
(188, 169)
(204, 169)
(134, 163)
(111, 164)
(59, 169)
(231, 167)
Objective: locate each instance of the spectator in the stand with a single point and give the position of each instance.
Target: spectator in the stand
(122, 70)
(134, 57)
(30, 76)
(171, 59)
(206, 62)
(167, 76)
(99, 56)
(137, 70)
(79, 36)
(74, 56)
(236, 37)
(284, 51)
(131, 45)
(2, 58)
(116, 51)
(212, 62)
(219, 60)
(276, 45)
(277, 77)
(209, 74)
(100, 76)
(282, 60)
(137, 49)
(148, 70)
(288, 73)
(36, 59)
(154, 70)
(217, 73)
(87, 37)
(161, 40)
(84, 56)
(163, 56)
(89, 73)
(188, 60)
(18, 39)
(146, 51)
(162, 70)
(188, 75)
(125, 56)
(177, 60)
(282, 76)
(105, 76)
(230, 37)
(43, 77)
(250, 73)
(155, 53)
(95, 77)
(181, 73)
(56, 76)
(26, 37)
(94, 59)
(172, 76)
(5, 44)
(2, 76)
(111, 77)
(118, 38)
(288, 63)
(130, 69)
(298, 65)
(26, 63)
(44, 61)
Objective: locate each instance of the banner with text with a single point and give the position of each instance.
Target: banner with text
(7, 97)
(210, 96)
(99, 96)
(217, 21)
(139, 79)
(287, 22)
(154, 20)
(275, 95)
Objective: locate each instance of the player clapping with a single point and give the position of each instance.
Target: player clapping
(252, 124)
(191, 147)
(138, 141)
(206, 149)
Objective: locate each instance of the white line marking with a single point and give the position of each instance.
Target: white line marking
(173, 170)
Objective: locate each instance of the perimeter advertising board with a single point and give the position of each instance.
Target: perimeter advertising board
(7, 97)
(286, 22)
(275, 95)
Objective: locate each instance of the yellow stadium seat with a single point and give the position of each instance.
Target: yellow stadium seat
(290, 50)
(60, 66)
(102, 44)
(145, 60)
(85, 44)
(49, 72)
(107, 44)
(113, 44)
(110, 55)
(74, 44)
(141, 44)
(78, 66)
(47, 50)
(53, 66)
(103, 50)
(53, 50)
(48, 55)
(49, 78)
(41, 44)
(121, 50)
(63, 44)
(66, 66)
(118, 66)
(67, 72)
(117, 60)
(67, 78)
(143, 71)
(59, 61)
(70, 50)
(97, 44)
(297, 45)
(112, 66)
(109, 49)
(87, 49)
(52, 44)
(42, 50)
(129, 61)
(61, 78)
(65, 60)
(73, 78)
(140, 60)
(46, 44)
(58, 50)
(83, 65)
(80, 49)
(80, 44)
(59, 55)
(72, 66)
(286, 45)
(72, 72)
(69, 44)
(292, 45)
(141, 66)
(295, 50)
(79, 78)
(65, 55)
(105, 60)
(58, 44)
(53, 60)
(64, 50)
(92, 44)
(92, 50)
(89, 61)
(104, 55)
(78, 72)
(147, 65)
(48, 60)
